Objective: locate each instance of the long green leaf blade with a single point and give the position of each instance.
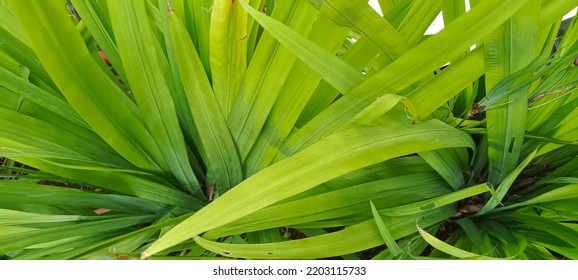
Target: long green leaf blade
(99, 27)
(354, 238)
(149, 86)
(447, 248)
(350, 150)
(220, 153)
(267, 72)
(421, 206)
(338, 73)
(90, 92)
(384, 232)
(375, 29)
(505, 185)
(71, 142)
(418, 62)
(39, 96)
(348, 201)
(298, 88)
(228, 43)
(508, 49)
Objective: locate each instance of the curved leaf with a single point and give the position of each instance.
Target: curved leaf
(331, 157)
(351, 239)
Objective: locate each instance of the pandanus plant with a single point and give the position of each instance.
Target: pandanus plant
(263, 129)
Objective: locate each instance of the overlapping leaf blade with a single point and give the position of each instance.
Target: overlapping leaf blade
(508, 49)
(413, 65)
(220, 152)
(110, 113)
(351, 150)
(324, 111)
(143, 63)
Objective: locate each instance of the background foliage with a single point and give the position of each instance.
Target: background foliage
(265, 129)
